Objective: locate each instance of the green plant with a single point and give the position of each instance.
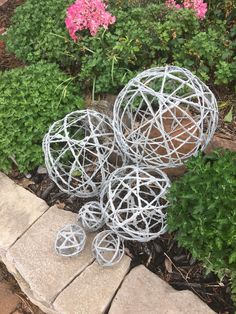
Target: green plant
(140, 38)
(210, 54)
(145, 34)
(131, 3)
(32, 98)
(38, 32)
(202, 210)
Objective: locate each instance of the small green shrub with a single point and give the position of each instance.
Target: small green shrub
(31, 98)
(202, 211)
(38, 32)
(141, 38)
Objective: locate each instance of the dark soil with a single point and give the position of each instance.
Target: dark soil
(7, 60)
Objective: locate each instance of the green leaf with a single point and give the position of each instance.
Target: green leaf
(232, 258)
(229, 117)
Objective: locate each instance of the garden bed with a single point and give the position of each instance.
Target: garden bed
(162, 256)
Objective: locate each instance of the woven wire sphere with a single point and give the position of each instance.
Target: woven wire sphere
(134, 202)
(107, 248)
(80, 152)
(91, 216)
(163, 116)
(70, 240)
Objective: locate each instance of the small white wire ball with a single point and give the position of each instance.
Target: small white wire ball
(70, 240)
(163, 116)
(91, 216)
(108, 248)
(80, 152)
(134, 202)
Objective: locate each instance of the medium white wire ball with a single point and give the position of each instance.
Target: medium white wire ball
(91, 216)
(163, 116)
(108, 248)
(80, 152)
(70, 240)
(134, 202)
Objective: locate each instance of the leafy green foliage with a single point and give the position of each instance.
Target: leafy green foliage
(38, 32)
(32, 98)
(145, 34)
(202, 210)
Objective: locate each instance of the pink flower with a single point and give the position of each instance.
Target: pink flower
(87, 14)
(172, 4)
(197, 5)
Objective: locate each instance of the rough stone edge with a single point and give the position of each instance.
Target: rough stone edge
(25, 286)
(106, 310)
(120, 285)
(17, 187)
(10, 266)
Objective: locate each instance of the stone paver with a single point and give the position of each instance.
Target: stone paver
(93, 290)
(76, 285)
(142, 292)
(19, 209)
(34, 257)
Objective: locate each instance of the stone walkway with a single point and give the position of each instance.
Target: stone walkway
(75, 285)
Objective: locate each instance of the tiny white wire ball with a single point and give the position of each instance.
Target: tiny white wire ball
(163, 116)
(134, 202)
(91, 216)
(80, 152)
(107, 248)
(70, 240)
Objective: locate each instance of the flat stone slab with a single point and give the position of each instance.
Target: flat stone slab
(19, 209)
(143, 292)
(35, 259)
(93, 291)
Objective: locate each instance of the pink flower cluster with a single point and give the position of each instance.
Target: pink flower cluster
(87, 14)
(197, 5)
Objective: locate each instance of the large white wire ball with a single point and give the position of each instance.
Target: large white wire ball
(134, 202)
(163, 116)
(91, 216)
(70, 240)
(107, 248)
(80, 152)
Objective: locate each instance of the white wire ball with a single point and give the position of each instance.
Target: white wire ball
(70, 240)
(91, 216)
(107, 248)
(80, 152)
(134, 202)
(163, 116)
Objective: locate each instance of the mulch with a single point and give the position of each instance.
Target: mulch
(162, 256)
(7, 60)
